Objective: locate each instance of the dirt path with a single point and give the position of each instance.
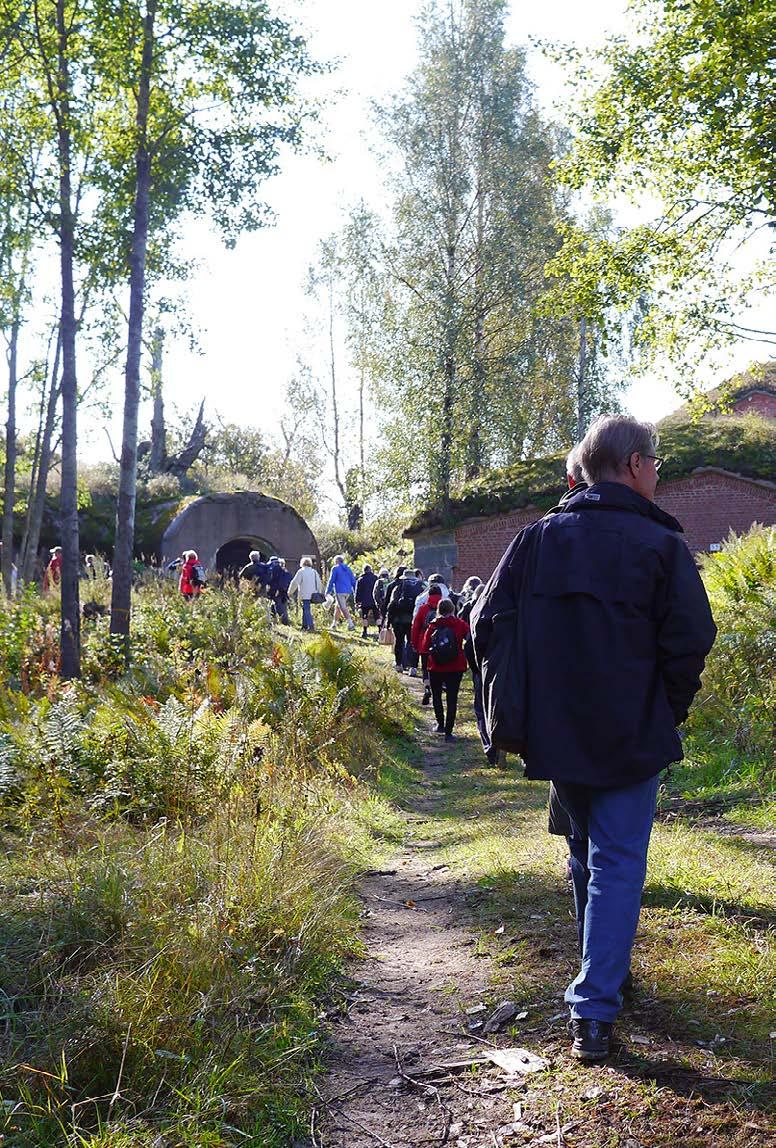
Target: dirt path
(406, 1019)
(474, 911)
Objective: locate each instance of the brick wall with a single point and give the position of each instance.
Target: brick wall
(711, 504)
(708, 504)
(761, 403)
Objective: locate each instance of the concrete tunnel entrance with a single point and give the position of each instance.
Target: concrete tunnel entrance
(233, 555)
(224, 528)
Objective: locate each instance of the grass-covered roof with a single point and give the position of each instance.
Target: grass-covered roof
(742, 444)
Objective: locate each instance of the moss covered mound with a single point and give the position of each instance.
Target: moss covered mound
(742, 444)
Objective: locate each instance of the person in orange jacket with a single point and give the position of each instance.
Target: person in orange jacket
(443, 641)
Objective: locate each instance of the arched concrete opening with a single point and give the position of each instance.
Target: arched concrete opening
(234, 554)
(223, 528)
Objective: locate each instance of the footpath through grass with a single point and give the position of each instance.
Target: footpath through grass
(180, 849)
(696, 1042)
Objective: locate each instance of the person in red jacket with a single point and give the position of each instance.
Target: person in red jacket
(443, 641)
(419, 625)
(187, 586)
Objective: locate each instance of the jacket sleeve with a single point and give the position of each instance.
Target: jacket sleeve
(500, 594)
(416, 632)
(330, 583)
(294, 585)
(685, 632)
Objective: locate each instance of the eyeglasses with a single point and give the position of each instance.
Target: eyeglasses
(657, 459)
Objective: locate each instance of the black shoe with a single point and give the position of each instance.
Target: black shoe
(492, 756)
(439, 729)
(450, 737)
(591, 1038)
(426, 699)
(364, 633)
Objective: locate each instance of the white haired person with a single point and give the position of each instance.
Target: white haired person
(306, 583)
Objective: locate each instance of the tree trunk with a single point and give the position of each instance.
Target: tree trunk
(179, 463)
(10, 456)
(341, 486)
(70, 637)
(582, 380)
(158, 456)
(38, 487)
(125, 516)
(474, 448)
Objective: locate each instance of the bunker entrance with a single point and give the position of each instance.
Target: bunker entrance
(233, 555)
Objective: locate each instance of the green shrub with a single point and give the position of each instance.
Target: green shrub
(735, 713)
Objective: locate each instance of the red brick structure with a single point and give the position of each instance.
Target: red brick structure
(756, 402)
(709, 500)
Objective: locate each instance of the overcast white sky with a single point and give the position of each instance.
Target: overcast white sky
(248, 304)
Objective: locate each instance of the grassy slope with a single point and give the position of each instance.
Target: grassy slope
(164, 959)
(704, 963)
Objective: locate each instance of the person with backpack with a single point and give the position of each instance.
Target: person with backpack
(433, 580)
(401, 607)
(192, 576)
(279, 582)
(379, 593)
(424, 616)
(364, 597)
(443, 641)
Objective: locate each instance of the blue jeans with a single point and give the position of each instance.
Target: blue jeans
(307, 615)
(608, 846)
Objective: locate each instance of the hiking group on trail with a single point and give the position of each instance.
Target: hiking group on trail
(601, 591)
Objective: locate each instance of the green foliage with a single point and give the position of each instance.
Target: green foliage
(244, 458)
(679, 115)
(737, 707)
(469, 375)
(177, 847)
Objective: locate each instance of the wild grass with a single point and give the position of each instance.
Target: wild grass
(178, 848)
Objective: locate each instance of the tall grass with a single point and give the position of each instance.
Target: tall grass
(178, 846)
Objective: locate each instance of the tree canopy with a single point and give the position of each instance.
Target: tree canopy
(678, 117)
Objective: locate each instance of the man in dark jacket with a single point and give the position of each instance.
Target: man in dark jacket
(364, 597)
(400, 611)
(257, 571)
(607, 591)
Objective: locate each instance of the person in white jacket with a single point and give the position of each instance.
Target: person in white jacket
(434, 580)
(305, 583)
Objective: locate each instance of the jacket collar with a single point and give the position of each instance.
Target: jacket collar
(618, 496)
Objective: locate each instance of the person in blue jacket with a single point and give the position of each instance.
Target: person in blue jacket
(342, 583)
(591, 636)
